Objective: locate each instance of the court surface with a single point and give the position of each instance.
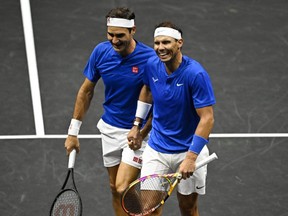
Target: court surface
(242, 44)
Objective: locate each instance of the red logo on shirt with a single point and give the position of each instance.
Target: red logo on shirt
(137, 160)
(135, 69)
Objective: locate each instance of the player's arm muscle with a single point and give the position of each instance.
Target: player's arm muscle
(206, 123)
(83, 100)
(145, 95)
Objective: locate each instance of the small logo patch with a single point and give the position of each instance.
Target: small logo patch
(135, 69)
(154, 79)
(137, 160)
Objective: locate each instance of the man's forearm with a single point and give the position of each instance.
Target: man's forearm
(82, 104)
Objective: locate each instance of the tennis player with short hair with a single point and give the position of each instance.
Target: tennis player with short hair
(182, 116)
(120, 63)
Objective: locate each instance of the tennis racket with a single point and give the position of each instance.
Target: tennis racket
(68, 201)
(146, 194)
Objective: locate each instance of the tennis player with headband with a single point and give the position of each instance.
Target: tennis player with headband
(120, 62)
(182, 96)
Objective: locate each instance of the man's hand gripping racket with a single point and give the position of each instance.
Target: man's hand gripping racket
(68, 201)
(146, 194)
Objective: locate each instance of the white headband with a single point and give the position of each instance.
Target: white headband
(166, 31)
(120, 22)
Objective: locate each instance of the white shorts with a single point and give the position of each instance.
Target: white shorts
(115, 146)
(159, 163)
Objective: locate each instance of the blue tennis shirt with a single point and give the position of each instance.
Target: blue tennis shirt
(123, 80)
(176, 97)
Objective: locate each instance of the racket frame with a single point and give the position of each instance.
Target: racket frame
(71, 163)
(178, 177)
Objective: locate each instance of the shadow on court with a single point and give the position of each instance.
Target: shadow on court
(242, 44)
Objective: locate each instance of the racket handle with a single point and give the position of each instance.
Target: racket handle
(72, 157)
(206, 161)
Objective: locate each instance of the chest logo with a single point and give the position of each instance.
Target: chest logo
(135, 69)
(179, 84)
(154, 79)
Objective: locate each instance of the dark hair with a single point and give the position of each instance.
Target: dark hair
(121, 12)
(169, 25)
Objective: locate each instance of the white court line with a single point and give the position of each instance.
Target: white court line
(52, 136)
(98, 136)
(32, 66)
(247, 135)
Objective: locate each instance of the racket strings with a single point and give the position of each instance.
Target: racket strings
(68, 203)
(147, 194)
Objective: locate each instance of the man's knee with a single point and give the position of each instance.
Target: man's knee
(120, 187)
(188, 204)
(113, 188)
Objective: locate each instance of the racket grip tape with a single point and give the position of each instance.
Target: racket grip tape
(72, 157)
(206, 161)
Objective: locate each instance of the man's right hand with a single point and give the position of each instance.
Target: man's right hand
(72, 142)
(134, 138)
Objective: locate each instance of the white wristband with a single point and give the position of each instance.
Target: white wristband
(74, 127)
(142, 109)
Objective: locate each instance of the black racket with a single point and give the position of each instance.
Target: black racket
(146, 194)
(68, 201)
